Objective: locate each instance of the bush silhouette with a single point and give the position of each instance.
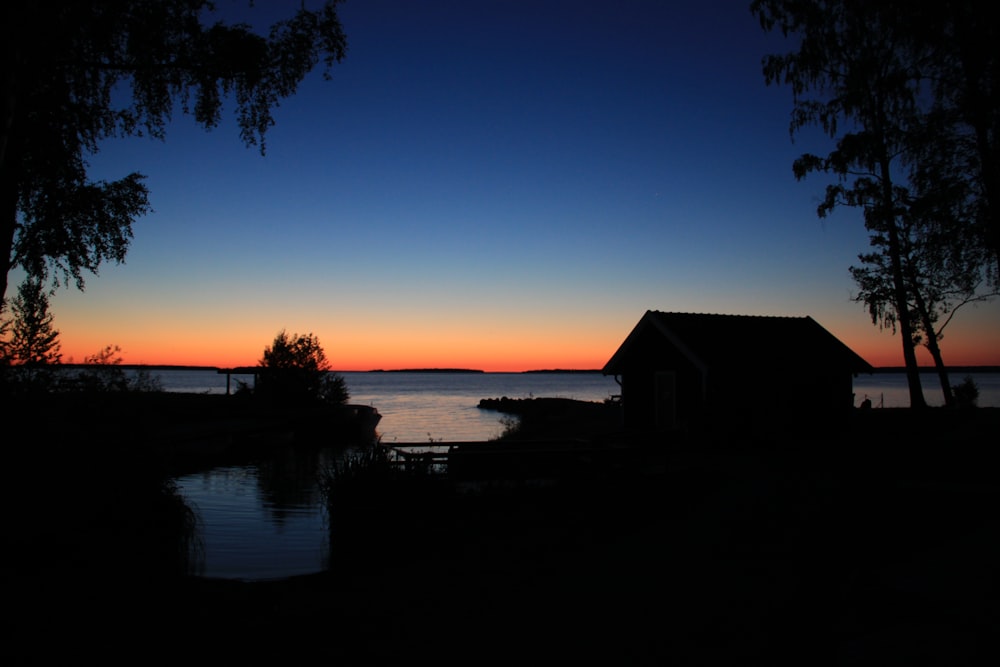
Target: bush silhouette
(294, 369)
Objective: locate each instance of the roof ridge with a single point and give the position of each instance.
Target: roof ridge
(707, 339)
(774, 317)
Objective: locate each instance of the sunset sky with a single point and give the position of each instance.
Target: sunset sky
(500, 184)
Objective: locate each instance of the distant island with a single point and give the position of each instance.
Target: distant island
(473, 370)
(427, 370)
(149, 367)
(563, 370)
(931, 369)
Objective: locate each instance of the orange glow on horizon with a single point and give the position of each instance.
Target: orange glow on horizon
(881, 352)
(388, 362)
(373, 354)
(493, 345)
(968, 350)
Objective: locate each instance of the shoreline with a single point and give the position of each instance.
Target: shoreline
(744, 553)
(748, 548)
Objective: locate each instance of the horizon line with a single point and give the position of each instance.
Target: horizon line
(984, 368)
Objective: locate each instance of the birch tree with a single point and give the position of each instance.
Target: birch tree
(852, 78)
(74, 73)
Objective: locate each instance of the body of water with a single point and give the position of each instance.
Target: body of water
(890, 389)
(425, 407)
(256, 525)
(268, 520)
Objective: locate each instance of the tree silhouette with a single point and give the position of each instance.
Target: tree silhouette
(915, 84)
(28, 355)
(961, 70)
(944, 270)
(849, 70)
(294, 369)
(33, 340)
(74, 73)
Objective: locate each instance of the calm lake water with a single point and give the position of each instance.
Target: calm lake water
(268, 521)
(421, 407)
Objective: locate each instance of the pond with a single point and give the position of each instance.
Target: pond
(264, 520)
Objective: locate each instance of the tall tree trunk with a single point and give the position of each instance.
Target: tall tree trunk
(888, 219)
(905, 326)
(932, 346)
(942, 371)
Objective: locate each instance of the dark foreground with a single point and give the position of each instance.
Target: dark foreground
(874, 546)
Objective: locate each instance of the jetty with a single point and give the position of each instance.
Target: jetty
(470, 464)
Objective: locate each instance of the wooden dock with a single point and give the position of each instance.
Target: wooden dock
(513, 461)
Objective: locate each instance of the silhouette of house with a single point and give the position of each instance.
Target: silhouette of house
(732, 372)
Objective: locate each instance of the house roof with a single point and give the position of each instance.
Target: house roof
(732, 341)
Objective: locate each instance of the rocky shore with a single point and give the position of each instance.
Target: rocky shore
(556, 418)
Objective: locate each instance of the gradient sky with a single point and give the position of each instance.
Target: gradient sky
(498, 184)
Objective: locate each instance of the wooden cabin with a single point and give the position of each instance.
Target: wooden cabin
(701, 372)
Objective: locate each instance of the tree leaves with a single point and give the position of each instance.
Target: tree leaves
(75, 73)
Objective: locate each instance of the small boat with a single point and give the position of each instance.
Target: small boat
(356, 422)
(366, 416)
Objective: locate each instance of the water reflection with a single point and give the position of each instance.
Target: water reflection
(262, 520)
(287, 482)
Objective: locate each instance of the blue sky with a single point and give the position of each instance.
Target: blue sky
(493, 184)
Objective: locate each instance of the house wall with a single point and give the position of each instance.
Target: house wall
(639, 384)
(806, 385)
(748, 400)
(764, 400)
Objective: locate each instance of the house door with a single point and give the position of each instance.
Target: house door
(665, 400)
